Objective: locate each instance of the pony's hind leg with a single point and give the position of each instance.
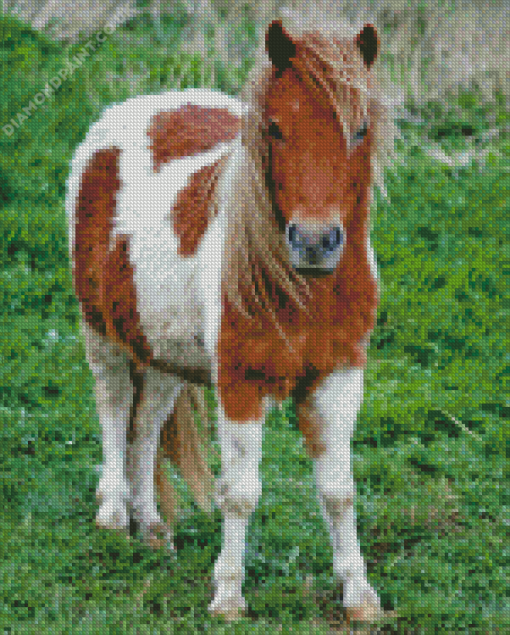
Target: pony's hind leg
(155, 406)
(114, 396)
(337, 401)
(238, 491)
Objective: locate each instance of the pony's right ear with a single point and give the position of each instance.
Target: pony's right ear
(279, 46)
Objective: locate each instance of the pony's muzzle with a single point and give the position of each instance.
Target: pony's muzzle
(315, 247)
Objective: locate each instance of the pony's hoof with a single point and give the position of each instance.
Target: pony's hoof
(230, 609)
(368, 611)
(113, 512)
(114, 517)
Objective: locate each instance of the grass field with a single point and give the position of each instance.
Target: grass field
(432, 447)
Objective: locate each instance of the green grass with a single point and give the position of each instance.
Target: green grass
(432, 447)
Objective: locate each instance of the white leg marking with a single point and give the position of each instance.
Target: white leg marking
(159, 392)
(238, 491)
(338, 400)
(114, 394)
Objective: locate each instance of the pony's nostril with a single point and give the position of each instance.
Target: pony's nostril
(294, 237)
(333, 239)
(312, 255)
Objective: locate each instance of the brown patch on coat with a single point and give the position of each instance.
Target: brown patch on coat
(119, 302)
(189, 130)
(103, 277)
(194, 207)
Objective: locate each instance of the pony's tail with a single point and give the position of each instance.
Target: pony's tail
(182, 441)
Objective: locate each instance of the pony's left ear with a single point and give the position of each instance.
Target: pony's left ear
(279, 46)
(368, 44)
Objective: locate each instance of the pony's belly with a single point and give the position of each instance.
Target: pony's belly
(189, 356)
(176, 337)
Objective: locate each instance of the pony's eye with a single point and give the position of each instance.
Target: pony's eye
(360, 134)
(274, 131)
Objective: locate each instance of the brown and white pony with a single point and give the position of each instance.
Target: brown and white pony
(224, 242)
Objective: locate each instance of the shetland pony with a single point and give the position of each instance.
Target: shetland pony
(224, 242)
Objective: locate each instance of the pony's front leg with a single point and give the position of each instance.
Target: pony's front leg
(336, 403)
(238, 491)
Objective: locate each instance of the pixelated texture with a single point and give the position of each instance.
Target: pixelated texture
(429, 454)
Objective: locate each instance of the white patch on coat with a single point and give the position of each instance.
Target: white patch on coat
(241, 450)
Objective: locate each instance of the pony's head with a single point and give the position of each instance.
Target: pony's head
(314, 138)
(316, 123)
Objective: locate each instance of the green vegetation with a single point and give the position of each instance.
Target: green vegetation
(432, 447)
